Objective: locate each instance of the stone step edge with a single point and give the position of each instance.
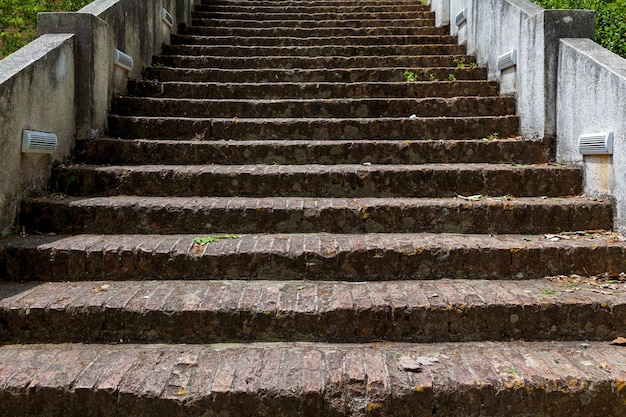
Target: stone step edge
(135, 151)
(313, 3)
(138, 214)
(326, 40)
(318, 180)
(559, 308)
(321, 256)
(307, 379)
(319, 15)
(295, 108)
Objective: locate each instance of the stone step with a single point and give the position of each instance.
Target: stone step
(138, 151)
(312, 51)
(304, 9)
(293, 14)
(176, 215)
(416, 181)
(317, 62)
(312, 128)
(557, 379)
(337, 108)
(235, 41)
(309, 311)
(319, 256)
(315, 24)
(313, 90)
(301, 32)
(315, 3)
(330, 8)
(296, 75)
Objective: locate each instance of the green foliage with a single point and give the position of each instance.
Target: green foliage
(461, 64)
(410, 76)
(210, 239)
(18, 20)
(610, 19)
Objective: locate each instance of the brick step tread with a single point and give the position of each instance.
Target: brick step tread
(316, 32)
(293, 62)
(516, 379)
(314, 3)
(324, 311)
(312, 128)
(313, 41)
(344, 75)
(326, 108)
(323, 8)
(312, 14)
(312, 51)
(313, 90)
(173, 215)
(293, 41)
(314, 180)
(320, 256)
(289, 152)
(314, 24)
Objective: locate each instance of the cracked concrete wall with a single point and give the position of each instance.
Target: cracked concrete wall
(63, 83)
(590, 99)
(495, 27)
(36, 93)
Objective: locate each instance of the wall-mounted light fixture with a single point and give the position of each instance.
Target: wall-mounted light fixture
(596, 143)
(123, 60)
(461, 17)
(507, 60)
(167, 17)
(38, 142)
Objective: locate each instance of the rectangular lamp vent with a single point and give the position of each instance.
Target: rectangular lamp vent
(167, 17)
(461, 17)
(38, 142)
(596, 143)
(507, 60)
(123, 60)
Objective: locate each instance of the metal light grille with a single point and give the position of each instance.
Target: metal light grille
(38, 142)
(507, 60)
(461, 17)
(596, 143)
(167, 17)
(123, 60)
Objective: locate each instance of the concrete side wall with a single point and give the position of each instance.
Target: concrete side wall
(590, 99)
(36, 93)
(63, 83)
(132, 26)
(566, 84)
(495, 27)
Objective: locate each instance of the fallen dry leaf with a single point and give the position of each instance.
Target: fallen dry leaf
(408, 364)
(620, 341)
(101, 288)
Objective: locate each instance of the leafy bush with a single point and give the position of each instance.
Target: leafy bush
(18, 20)
(610, 17)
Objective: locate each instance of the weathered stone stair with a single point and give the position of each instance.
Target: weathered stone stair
(279, 219)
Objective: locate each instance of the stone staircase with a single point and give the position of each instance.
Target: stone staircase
(313, 208)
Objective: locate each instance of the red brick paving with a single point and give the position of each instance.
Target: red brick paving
(560, 378)
(202, 311)
(264, 314)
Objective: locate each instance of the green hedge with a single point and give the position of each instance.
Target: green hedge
(18, 20)
(610, 16)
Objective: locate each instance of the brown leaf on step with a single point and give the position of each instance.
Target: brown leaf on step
(408, 364)
(620, 341)
(101, 288)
